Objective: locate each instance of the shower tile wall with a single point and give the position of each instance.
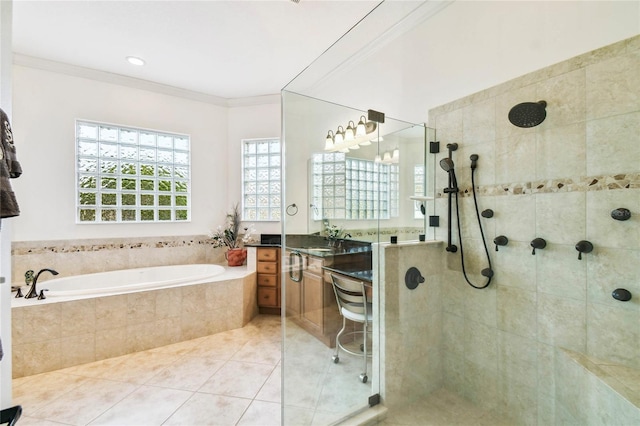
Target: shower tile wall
(559, 181)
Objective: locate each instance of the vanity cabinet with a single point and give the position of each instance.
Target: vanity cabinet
(268, 271)
(310, 301)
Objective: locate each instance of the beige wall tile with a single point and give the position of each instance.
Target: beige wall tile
(517, 311)
(481, 345)
(562, 322)
(602, 230)
(608, 269)
(478, 125)
(514, 266)
(613, 144)
(141, 307)
(559, 272)
(111, 312)
(613, 334)
(37, 357)
(168, 303)
(612, 86)
(515, 158)
(77, 317)
(516, 217)
(111, 342)
(560, 218)
(561, 152)
(565, 97)
(77, 349)
(41, 323)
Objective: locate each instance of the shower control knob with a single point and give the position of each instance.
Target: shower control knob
(583, 247)
(538, 243)
(500, 240)
(621, 294)
(621, 214)
(488, 213)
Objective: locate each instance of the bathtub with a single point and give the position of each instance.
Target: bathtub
(91, 317)
(131, 280)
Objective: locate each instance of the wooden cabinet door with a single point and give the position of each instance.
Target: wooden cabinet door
(313, 299)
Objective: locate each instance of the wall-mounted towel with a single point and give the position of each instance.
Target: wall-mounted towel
(9, 168)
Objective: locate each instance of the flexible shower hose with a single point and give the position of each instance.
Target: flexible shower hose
(485, 272)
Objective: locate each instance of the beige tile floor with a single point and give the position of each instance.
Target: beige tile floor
(230, 378)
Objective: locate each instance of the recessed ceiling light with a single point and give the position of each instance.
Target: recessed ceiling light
(134, 60)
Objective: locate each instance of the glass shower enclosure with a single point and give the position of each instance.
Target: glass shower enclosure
(342, 199)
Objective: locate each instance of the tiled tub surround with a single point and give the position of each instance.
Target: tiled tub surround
(558, 181)
(48, 335)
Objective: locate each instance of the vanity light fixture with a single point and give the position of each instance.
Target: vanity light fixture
(350, 133)
(328, 145)
(361, 129)
(353, 137)
(339, 136)
(134, 60)
(389, 157)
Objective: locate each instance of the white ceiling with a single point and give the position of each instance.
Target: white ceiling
(228, 49)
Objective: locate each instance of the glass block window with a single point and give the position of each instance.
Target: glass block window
(418, 188)
(262, 179)
(329, 185)
(126, 175)
(350, 188)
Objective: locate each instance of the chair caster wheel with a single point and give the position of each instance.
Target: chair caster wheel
(363, 378)
(336, 359)
(361, 347)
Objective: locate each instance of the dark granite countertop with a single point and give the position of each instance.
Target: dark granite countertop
(353, 271)
(316, 245)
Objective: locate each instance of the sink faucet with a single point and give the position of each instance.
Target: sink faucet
(33, 292)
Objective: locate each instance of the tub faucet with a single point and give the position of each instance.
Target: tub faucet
(33, 292)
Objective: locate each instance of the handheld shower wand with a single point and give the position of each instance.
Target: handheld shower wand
(448, 166)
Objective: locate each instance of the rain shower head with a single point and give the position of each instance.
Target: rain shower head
(528, 114)
(447, 164)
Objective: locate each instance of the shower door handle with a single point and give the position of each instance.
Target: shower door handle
(293, 255)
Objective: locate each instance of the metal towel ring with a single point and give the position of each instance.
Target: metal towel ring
(292, 209)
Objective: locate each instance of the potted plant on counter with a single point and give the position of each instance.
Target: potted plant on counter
(229, 236)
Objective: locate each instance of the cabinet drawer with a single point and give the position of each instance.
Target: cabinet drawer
(267, 296)
(268, 280)
(314, 265)
(267, 254)
(267, 268)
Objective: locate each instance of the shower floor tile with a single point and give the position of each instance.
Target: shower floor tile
(441, 408)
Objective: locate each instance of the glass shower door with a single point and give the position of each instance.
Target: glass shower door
(349, 200)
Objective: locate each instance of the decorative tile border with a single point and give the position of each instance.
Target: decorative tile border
(581, 184)
(41, 247)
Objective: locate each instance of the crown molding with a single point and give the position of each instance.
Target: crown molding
(254, 100)
(137, 83)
